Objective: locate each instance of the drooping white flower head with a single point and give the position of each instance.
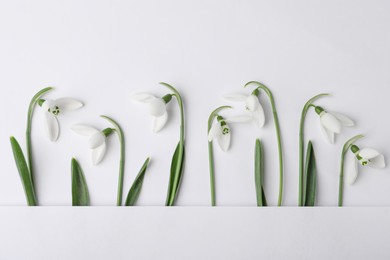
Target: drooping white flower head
(331, 123)
(252, 105)
(220, 130)
(52, 109)
(97, 140)
(157, 108)
(365, 157)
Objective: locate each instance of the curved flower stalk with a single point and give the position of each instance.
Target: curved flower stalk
(260, 86)
(177, 165)
(97, 143)
(157, 109)
(30, 114)
(348, 144)
(365, 157)
(220, 131)
(211, 157)
(309, 103)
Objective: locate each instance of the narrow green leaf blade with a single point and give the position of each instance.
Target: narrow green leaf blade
(263, 195)
(259, 174)
(311, 176)
(176, 175)
(135, 189)
(24, 172)
(80, 194)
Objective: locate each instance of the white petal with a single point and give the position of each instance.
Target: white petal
(68, 104)
(368, 153)
(236, 97)
(252, 103)
(378, 162)
(98, 154)
(345, 121)
(157, 107)
(215, 131)
(258, 116)
(328, 134)
(159, 122)
(239, 119)
(352, 171)
(224, 141)
(330, 122)
(143, 97)
(96, 140)
(84, 130)
(52, 127)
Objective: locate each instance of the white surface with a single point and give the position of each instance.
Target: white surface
(101, 51)
(194, 233)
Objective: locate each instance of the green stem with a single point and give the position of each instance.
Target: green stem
(302, 146)
(172, 193)
(278, 135)
(121, 137)
(346, 147)
(211, 157)
(30, 113)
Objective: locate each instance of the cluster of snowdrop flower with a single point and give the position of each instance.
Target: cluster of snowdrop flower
(97, 139)
(254, 112)
(219, 130)
(331, 124)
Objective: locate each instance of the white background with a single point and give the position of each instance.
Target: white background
(102, 51)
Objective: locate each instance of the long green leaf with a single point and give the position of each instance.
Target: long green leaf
(259, 173)
(80, 194)
(177, 166)
(264, 199)
(24, 173)
(135, 189)
(311, 176)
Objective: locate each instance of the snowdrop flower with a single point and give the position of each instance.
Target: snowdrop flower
(252, 105)
(365, 157)
(97, 140)
(220, 130)
(53, 108)
(332, 122)
(157, 108)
